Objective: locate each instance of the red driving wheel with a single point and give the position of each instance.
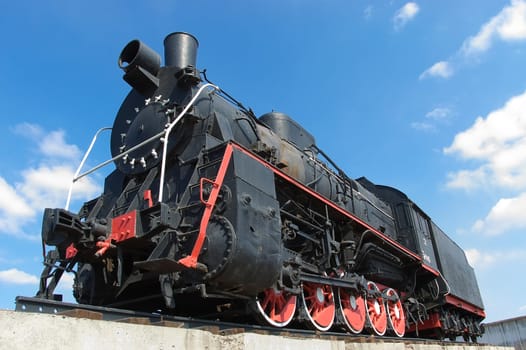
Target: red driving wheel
(352, 308)
(318, 301)
(376, 313)
(395, 313)
(276, 307)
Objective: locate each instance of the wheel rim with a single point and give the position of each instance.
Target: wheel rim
(318, 301)
(376, 309)
(352, 308)
(395, 313)
(276, 307)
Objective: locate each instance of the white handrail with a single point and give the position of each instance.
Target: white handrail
(75, 177)
(168, 130)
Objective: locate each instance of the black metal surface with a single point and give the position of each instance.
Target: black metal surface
(28, 304)
(456, 269)
(137, 53)
(412, 224)
(141, 65)
(180, 50)
(288, 129)
(248, 237)
(59, 226)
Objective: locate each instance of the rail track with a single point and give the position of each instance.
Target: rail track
(45, 306)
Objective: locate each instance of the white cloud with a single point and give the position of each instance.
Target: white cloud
(28, 130)
(433, 119)
(476, 258)
(439, 114)
(442, 69)
(405, 14)
(48, 186)
(508, 25)
(423, 126)
(15, 276)
(467, 179)
(11, 204)
(506, 215)
(498, 141)
(54, 145)
(41, 186)
(15, 211)
(482, 260)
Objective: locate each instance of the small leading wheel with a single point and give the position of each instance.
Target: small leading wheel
(395, 313)
(318, 301)
(376, 309)
(352, 308)
(276, 307)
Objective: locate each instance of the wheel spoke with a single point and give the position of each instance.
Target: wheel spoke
(318, 303)
(276, 308)
(265, 302)
(395, 313)
(376, 312)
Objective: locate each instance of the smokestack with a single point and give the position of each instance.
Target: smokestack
(180, 50)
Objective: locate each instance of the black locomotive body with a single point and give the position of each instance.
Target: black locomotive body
(212, 212)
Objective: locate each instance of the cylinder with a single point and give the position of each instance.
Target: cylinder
(180, 50)
(136, 53)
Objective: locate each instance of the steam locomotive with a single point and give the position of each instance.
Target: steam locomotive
(213, 212)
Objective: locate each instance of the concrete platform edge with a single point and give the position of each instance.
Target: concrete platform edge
(19, 330)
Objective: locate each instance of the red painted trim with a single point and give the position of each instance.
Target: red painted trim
(462, 304)
(201, 192)
(71, 251)
(124, 226)
(104, 246)
(147, 196)
(431, 323)
(326, 201)
(191, 260)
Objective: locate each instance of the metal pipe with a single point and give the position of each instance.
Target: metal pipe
(169, 130)
(166, 134)
(82, 164)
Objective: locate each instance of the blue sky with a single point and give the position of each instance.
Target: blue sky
(425, 96)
